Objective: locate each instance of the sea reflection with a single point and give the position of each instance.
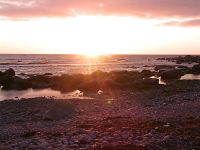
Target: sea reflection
(190, 77)
(31, 93)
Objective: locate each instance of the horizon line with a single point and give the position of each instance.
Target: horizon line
(85, 54)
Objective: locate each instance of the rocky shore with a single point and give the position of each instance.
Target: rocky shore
(183, 59)
(97, 80)
(129, 111)
(164, 117)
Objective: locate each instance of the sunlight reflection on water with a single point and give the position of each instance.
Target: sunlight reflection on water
(190, 77)
(31, 93)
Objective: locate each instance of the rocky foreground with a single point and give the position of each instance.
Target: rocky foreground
(164, 117)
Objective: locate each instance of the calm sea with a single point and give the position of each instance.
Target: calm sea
(60, 64)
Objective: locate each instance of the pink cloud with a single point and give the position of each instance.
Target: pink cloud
(186, 23)
(61, 8)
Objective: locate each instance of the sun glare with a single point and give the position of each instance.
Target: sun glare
(91, 55)
(92, 35)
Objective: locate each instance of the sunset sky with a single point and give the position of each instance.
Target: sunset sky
(100, 26)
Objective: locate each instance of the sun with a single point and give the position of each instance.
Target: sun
(93, 54)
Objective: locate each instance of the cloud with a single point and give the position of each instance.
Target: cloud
(184, 23)
(62, 8)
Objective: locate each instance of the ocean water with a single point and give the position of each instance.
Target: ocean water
(33, 93)
(69, 64)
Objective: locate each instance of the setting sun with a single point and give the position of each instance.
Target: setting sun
(91, 54)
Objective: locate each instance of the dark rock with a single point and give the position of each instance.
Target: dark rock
(184, 59)
(123, 78)
(191, 59)
(6, 77)
(182, 67)
(161, 67)
(9, 72)
(179, 61)
(145, 83)
(161, 71)
(5, 80)
(98, 74)
(170, 74)
(161, 58)
(22, 74)
(84, 139)
(48, 74)
(151, 81)
(67, 82)
(195, 69)
(29, 134)
(16, 83)
(40, 81)
(146, 73)
(90, 85)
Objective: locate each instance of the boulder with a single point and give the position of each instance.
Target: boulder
(9, 72)
(179, 61)
(5, 81)
(16, 83)
(48, 74)
(122, 78)
(183, 69)
(166, 67)
(98, 74)
(195, 69)
(170, 74)
(151, 81)
(93, 84)
(146, 73)
(6, 77)
(161, 71)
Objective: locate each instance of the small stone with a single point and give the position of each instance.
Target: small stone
(85, 139)
(104, 142)
(148, 135)
(166, 137)
(124, 136)
(167, 125)
(139, 138)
